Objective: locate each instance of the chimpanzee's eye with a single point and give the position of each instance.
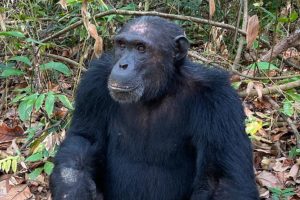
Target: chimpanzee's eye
(141, 47)
(121, 44)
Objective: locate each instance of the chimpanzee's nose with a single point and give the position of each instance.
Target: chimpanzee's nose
(123, 66)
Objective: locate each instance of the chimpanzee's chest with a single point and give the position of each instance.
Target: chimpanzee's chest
(160, 136)
(149, 150)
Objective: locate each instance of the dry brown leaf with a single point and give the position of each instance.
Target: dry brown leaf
(252, 30)
(2, 22)
(268, 179)
(8, 134)
(212, 8)
(63, 4)
(92, 30)
(264, 193)
(258, 87)
(98, 45)
(19, 192)
(250, 86)
(279, 167)
(294, 172)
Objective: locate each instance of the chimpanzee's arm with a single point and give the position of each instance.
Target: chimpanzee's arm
(224, 153)
(83, 150)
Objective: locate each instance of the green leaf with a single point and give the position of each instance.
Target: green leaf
(288, 108)
(58, 66)
(8, 164)
(22, 59)
(49, 103)
(11, 72)
(29, 40)
(25, 109)
(283, 19)
(294, 95)
(12, 34)
(65, 101)
(255, 44)
(3, 167)
(31, 97)
(262, 66)
(275, 190)
(35, 173)
(39, 101)
(14, 164)
(35, 157)
(294, 16)
(236, 85)
(48, 167)
(18, 98)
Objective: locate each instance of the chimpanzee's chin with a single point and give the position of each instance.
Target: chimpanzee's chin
(127, 96)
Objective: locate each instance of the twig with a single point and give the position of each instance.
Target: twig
(205, 60)
(28, 20)
(237, 25)
(64, 59)
(244, 27)
(273, 89)
(290, 41)
(152, 13)
(40, 132)
(288, 120)
(263, 77)
(287, 62)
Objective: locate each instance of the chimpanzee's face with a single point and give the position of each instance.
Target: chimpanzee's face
(138, 64)
(144, 62)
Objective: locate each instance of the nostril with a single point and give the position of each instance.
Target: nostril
(123, 66)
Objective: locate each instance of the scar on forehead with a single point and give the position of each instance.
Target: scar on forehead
(139, 28)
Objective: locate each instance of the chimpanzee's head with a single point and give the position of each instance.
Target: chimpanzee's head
(147, 50)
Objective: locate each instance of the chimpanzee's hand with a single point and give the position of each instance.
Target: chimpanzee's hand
(73, 184)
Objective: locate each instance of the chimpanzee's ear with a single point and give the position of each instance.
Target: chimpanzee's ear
(182, 47)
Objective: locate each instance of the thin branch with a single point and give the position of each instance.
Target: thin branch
(64, 59)
(272, 90)
(40, 132)
(152, 13)
(290, 41)
(244, 27)
(205, 60)
(287, 62)
(288, 120)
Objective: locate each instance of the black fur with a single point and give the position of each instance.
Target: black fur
(187, 143)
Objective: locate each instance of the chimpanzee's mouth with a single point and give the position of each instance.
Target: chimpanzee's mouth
(119, 88)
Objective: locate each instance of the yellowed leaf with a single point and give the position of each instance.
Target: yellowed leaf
(253, 127)
(252, 30)
(212, 8)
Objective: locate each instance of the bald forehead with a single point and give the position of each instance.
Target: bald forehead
(140, 28)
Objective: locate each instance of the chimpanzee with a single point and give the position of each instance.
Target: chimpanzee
(149, 124)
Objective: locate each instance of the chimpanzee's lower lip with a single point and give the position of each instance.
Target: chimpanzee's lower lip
(122, 89)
